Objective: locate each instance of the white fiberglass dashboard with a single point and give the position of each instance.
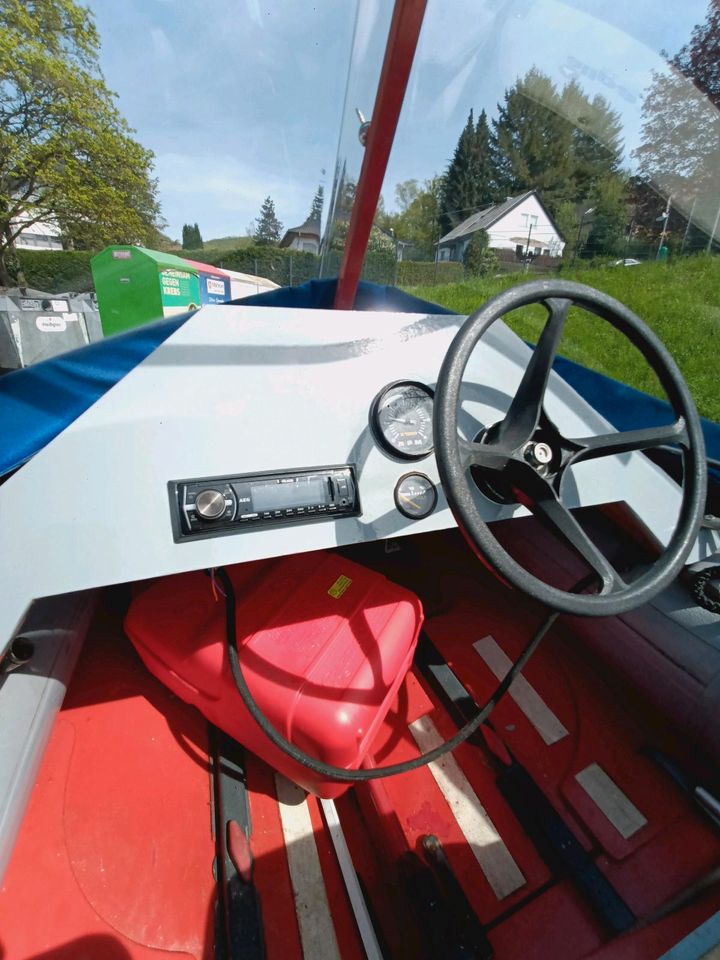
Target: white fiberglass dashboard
(247, 390)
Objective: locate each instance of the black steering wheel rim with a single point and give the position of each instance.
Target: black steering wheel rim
(455, 456)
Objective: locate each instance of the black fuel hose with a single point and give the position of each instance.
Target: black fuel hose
(374, 773)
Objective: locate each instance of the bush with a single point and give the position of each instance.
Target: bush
(412, 273)
(57, 271)
(479, 260)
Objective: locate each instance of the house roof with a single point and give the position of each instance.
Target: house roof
(309, 228)
(490, 215)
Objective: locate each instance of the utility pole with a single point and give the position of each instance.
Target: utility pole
(712, 235)
(687, 228)
(527, 247)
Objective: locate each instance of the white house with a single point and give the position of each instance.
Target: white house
(521, 223)
(305, 237)
(43, 235)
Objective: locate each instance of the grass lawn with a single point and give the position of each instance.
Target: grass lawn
(679, 300)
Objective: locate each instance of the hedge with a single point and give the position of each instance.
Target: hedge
(292, 267)
(57, 271)
(282, 266)
(412, 273)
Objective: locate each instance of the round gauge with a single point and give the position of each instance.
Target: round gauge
(401, 419)
(415, 496)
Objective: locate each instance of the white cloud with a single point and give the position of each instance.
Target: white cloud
(162, 48)
(224, 193)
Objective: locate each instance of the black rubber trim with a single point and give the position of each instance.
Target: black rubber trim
(699, 583)
(239, 920)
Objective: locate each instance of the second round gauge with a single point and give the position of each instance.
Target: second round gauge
(415, 496)
(402, 419)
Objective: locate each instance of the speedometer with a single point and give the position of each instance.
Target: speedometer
(401, 419)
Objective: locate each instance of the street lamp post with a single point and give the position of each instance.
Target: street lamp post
(582, 221)
(665, 216)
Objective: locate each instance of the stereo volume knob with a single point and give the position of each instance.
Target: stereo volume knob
(210, 504)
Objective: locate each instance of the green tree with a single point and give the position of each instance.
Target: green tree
(698, 59)
(596, 134)
(478, 259)
(406, 193)
(609, 218)
(418, 220)
(679, 153)
(469, 182)
(568, 223)
(316, 208)
(378, 241)
(267, 226)
(533, 144)
(66, 154)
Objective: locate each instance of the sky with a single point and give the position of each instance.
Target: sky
(240, 99)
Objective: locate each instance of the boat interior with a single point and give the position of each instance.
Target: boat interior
(152, 816)
(559, 830)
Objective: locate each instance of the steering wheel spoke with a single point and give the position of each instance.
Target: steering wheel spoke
(524, 413)
(540, 497)
(625, 441)
(482, 455)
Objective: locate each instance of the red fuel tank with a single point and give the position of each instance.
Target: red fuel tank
(324, 645)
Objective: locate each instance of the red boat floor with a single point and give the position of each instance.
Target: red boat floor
(115, 855)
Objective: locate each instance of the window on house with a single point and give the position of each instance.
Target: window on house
(524, 219)
(534, 221)
(546, 252)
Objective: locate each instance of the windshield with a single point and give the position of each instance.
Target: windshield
(199, 156)
(557, 139)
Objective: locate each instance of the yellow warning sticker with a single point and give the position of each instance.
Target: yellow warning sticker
(339, 587)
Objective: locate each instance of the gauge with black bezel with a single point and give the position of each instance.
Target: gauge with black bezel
(415, 496)
(401, 419)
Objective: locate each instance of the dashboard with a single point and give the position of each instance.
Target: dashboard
(256, 432)
(401, 423)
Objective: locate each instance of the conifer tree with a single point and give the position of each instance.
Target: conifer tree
(267, 226)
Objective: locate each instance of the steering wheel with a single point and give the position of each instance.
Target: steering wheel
(523, 458)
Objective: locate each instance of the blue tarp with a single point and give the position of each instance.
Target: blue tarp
(37, 403)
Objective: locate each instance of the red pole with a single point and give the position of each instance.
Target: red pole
(399, 54)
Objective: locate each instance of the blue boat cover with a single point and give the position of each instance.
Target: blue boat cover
(39, 402)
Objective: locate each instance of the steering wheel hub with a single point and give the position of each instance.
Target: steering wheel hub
(538, 454)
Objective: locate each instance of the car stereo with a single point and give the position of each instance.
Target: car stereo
(216, 506)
